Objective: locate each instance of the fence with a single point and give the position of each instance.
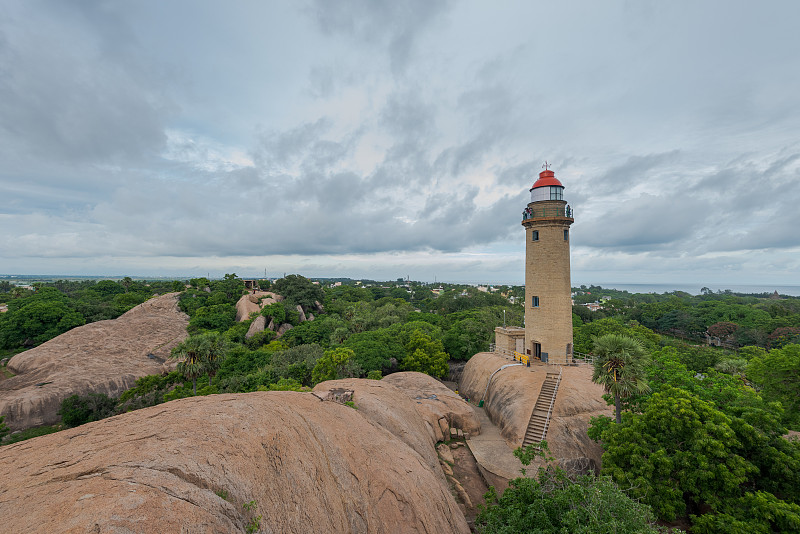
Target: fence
(537, 213)
(514, 355)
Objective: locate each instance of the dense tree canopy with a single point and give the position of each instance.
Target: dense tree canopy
(554, 503)
(297, 289)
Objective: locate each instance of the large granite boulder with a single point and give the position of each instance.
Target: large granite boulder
(253, 303)
(409, 406)
(512, 395)
(258, 325)
(441, 408)
(284, 462)
(102, 357)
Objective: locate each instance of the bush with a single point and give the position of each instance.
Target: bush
(553, 502)
(77, 410)
(219, 317)
(335, 363)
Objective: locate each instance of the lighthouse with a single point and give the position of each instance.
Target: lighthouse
(548, 303)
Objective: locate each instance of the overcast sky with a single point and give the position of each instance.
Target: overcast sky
(382, 139)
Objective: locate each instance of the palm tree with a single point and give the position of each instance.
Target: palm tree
(193, 352)
(217, 347)
(619, 367)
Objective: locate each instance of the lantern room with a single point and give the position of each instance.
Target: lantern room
(547, 187)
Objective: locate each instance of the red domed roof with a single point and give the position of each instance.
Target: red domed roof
(546, 178)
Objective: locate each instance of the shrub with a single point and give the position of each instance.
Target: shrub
(77, 410)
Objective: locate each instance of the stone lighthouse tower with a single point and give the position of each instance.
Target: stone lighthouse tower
(548, 305)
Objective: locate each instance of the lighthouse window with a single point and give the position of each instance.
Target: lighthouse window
(566, 235)
(556, 193)
(535, 235)
(535, 302)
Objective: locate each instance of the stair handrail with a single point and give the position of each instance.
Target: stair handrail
(552, 401)
(489, 382)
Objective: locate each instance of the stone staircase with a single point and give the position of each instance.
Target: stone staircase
(540, 418)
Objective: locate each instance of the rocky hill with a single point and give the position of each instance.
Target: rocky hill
(275, 462)
(512, 396)
(103, 357)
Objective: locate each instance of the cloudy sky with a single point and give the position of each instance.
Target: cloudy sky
(391, 138)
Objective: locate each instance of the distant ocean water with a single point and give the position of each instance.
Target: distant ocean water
(694, 289)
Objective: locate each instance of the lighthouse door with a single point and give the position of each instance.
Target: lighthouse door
(537, 351)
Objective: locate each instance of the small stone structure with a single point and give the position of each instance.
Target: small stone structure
(510, 339)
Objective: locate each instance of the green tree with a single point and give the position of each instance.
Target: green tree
(335, 363)
(553, 502)
(37, 318)
(619, 367)
(679, 455)
(297, 362)
(425, 355)
(199, 354)
(218, 317)
(231, 286)
(297, 289)
(777, 373)
(467, 337)
(80, 409)
(217, 349)
(584, 335)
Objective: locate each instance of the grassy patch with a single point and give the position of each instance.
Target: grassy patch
(30, 433)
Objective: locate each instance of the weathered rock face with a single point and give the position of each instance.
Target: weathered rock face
(258, 325)
(190, 466)
(301, 313)
(409, 406)
(513, 393)
(253, 302)
(435, 403)
(102, 357)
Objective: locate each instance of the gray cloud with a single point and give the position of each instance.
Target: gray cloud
(380, 133)
(71, 92)
(392, 25)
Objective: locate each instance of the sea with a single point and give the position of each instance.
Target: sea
(694, 289)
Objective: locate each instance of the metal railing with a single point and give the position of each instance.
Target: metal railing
(516, 356)
(552, 401)
(489, 382)
(579, 358)
(537, 213)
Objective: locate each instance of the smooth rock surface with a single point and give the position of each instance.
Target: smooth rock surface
(102, 357)
(258, 325)
(190, 465)
(254, 302)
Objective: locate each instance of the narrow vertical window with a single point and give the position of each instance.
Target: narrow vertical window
(535, 302)
(535, 235)
(566, 235)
